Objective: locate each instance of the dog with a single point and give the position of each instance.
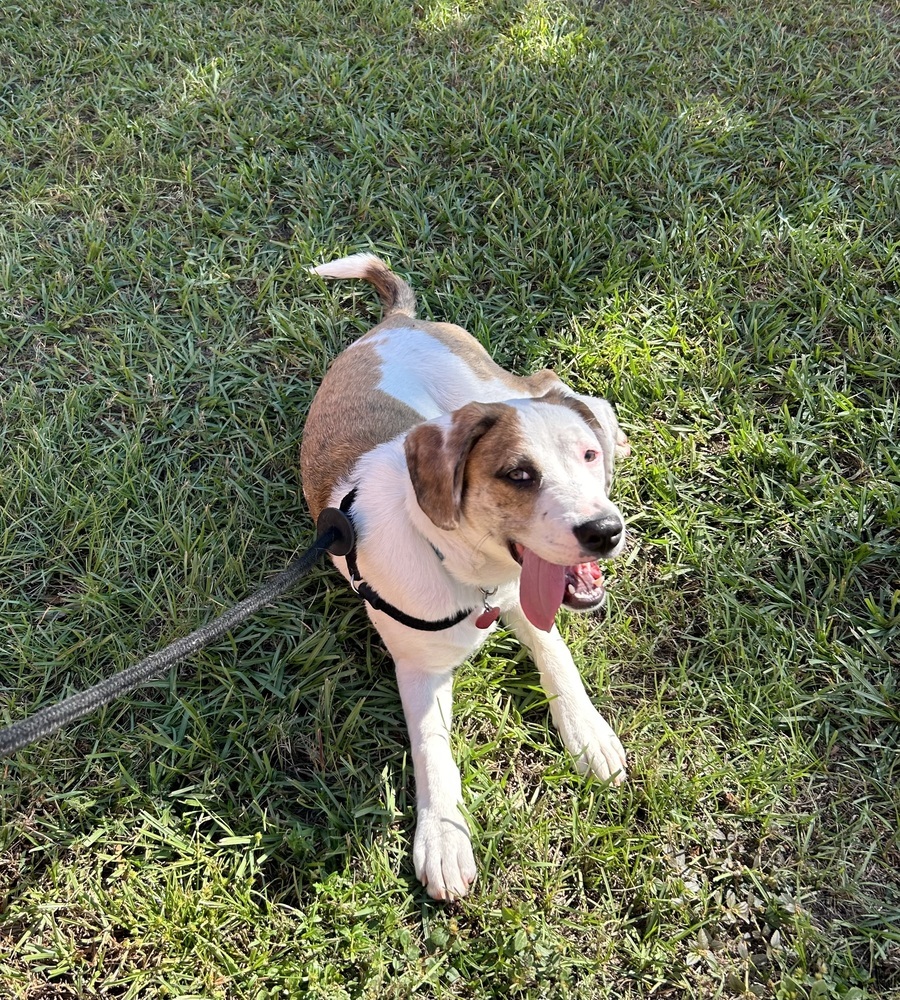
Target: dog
(473, 493)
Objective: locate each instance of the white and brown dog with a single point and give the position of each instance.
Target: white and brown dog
(473, 493)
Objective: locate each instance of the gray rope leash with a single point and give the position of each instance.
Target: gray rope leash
(335, 535)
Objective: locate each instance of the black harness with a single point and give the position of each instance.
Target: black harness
(374, 599)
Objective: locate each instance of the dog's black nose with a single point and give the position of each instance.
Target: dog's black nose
(600, 536)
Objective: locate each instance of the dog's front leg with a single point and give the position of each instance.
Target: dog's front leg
(585, 732)
(443, 852)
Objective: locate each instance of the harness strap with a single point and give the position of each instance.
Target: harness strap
(374, 599)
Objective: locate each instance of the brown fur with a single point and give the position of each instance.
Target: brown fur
(396, 296)
(495, 503)
(349, 416)
(437, 461)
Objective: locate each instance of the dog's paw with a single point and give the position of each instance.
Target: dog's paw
(593, 744)
(443, 856)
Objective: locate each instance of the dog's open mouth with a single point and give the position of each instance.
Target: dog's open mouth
(544, 587)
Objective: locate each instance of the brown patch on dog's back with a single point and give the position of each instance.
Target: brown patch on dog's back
(461, 343)
(349, 416)
(543, 382)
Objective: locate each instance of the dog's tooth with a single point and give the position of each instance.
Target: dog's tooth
(571, 589)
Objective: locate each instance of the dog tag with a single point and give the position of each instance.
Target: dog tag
(487, 617)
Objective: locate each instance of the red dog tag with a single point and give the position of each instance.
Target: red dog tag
(487, 617)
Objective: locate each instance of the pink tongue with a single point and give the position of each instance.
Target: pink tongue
(541, 590)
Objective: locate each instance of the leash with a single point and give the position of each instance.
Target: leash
(335, 534)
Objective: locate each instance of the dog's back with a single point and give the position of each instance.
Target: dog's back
(403, 371)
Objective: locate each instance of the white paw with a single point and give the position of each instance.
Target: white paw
(593, 744)
(443, 855)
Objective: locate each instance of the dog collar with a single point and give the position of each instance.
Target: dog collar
(375, 600)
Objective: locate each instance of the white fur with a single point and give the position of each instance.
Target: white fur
(347, 267)
(396, 556)
(417, 369)
(573, 491)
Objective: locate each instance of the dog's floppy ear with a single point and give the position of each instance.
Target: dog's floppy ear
(436, 456)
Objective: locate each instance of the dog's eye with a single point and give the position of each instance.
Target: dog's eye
(590, 456)
(524, 475)
(520, 475)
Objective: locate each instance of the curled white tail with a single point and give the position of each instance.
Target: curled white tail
(347, 267)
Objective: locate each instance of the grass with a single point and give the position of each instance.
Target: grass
(690, 208)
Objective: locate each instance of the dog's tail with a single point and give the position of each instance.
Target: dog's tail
(396, 296)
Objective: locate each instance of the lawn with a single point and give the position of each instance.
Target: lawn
(690, 208)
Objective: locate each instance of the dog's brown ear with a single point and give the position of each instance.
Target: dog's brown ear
(436, 457)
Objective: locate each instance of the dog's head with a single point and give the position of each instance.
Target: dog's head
(530, 479)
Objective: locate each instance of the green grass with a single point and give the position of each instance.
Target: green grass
(693, 209)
